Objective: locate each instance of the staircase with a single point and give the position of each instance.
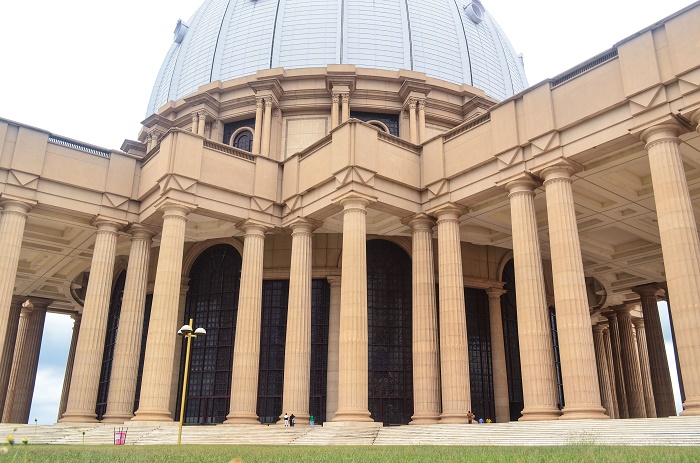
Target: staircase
(674, 431)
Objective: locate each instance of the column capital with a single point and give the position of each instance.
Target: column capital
(354, 200)
(562, 169)
(638, 322)
(140, 232)
(524, 182)
(621, 309)
(495, 292)
(11, 203)
(420, 221)
(253, 227)
(667, 131)
(174, 207)
(647, 290)
(334, 280)
(448, 211)
(108, 224)
(302, 225)
(38, 302)
(598, 328)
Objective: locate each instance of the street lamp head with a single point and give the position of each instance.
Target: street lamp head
(200, 331)
(185, 330)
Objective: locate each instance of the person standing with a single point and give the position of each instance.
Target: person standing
(291, 420)
(286, 420)
(311, 421)
(470, 416)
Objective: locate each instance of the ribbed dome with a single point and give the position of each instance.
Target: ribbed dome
(454, 40)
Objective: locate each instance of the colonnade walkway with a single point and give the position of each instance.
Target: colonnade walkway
(674, 431)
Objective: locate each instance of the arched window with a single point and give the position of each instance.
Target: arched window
(381, 126)
(243, 140)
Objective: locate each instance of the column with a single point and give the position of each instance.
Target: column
(335, 100)
(681, 251)
(578, 365)
(246, 349)
(297, 351)
(421, 121)
(202, 123)
(175, 387)
(333, 339)
(498, 357)
(163, 325)
(69, 365)
(15, 364)
(611, 372)
(656, 352)
(345, 110)
(426, 355)
(267, 128)
(537, 365)
(258, 125)
(127, 349)
(12, 220)
(630, 364)
(649, 401)
(27, 362)
(454, 353)
(603, 375)
(353, 356)
(412, 120)
(195, 122)
(87, 365)
(9, 350)
(615, 348)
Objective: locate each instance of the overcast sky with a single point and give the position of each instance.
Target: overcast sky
(85, 69)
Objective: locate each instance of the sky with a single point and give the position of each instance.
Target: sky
(85, 70)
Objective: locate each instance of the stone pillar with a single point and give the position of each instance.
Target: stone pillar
(498, 357)
(665, 404)
(257, 131)
(195, 122)
(163, 325)
(630, 364)
(335, 101)
(603, 375)
(345, 112)
(202, 123)
(27, 362)
(681, 250)
(175, 386)
(540, 393)
(297, 352)
(87, 365)
(267, 128)
(426, 354)
(353, 357)
(412, 120)
(9, 350)
(127, 350)
(16, 364)
(12, 220)
(578, 365)
(333, 338)
(649, 401)
(246, 350)
(610, 372)
(454, 353)
(616, 349)
(69, 365)
(421, 121)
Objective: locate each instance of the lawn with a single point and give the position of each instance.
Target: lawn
(296, 454)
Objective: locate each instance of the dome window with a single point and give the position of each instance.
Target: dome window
(243, 140)
(475, 11)
(180, 31)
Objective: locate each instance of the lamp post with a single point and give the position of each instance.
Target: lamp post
(186, 331)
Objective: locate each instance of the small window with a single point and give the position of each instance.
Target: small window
(243, 140)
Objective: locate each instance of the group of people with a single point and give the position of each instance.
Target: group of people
(289, 420)
(471, 416)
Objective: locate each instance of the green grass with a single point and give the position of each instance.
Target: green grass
(294, 454)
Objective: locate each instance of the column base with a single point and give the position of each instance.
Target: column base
(79, 416)
(691, 407)
(117, 417)
(454, 418)
(584, 412)
(242, 418)
(424, 419)
(357, 416)
(540, 413)
(152, 415)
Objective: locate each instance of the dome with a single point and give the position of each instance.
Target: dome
(454, 40)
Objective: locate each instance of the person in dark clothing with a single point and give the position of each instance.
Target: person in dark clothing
(291, 420)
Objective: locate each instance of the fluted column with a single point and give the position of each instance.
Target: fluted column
(87, 365)
(202, 126)
(498, 357)
(163, 325)
(421, 121)
(297, 352)
(603, 377)
(413, 122)
(681, 251)
(246, 350)
(616, 349)
(664, 401)
(27, 354)
(335, 101)
(426, 355)
(353, 357)
(333, 339)
(125, 366)
(345, 109)
(16, 363)
(257, 131)
(69, 365)
(195, 123)
(267, 128)
(610, 372)
(536, 351)
(9, 351)
(578, 367)
(630, 364)
(12, 220)
(454, 353)
(649, 401)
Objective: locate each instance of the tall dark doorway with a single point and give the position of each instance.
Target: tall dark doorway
(509, 313)
(389, 300)
(212, 302)
(476, 303)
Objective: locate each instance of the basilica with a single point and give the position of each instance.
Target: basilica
(377, 221)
